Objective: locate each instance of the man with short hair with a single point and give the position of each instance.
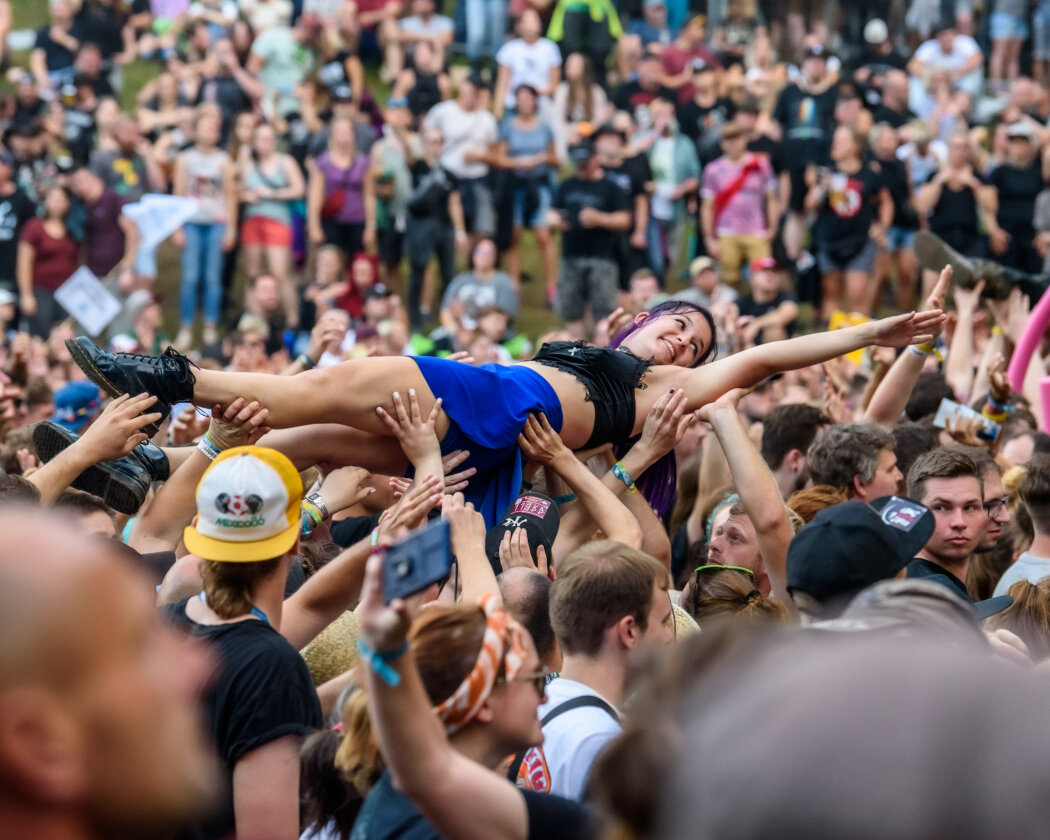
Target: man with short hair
(99, 728)
(87, 513)
(607, 601)
(262, 702)
(788, 432)
(1034, 490)
(948, 482)
(856, 458)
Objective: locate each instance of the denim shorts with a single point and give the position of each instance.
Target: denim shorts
(1002, 27)
(899, 239)
(863, 260)
(1041, 31)
(539, 217)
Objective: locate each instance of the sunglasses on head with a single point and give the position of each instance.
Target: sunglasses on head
(718, 566)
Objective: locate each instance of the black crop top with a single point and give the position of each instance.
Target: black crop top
(610, 377)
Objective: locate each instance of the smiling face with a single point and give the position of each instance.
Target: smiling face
(674, 338)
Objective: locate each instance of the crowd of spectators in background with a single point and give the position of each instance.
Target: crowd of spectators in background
(396, 178)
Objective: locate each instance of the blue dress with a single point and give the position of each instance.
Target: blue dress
(487, 407)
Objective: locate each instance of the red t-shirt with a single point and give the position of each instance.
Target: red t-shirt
(673, 60)
(56, 259)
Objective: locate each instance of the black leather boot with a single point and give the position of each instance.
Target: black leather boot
(121, 484)
(167, 377)
(934, 253)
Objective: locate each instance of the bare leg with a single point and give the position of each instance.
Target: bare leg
(906, 266)
(860, 295)
(279, 259)
(831, 294)
(347, 393)
(340, 446)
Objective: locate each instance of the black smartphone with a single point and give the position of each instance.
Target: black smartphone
(419, 560)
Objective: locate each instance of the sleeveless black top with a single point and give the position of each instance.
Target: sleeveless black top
(610, 377)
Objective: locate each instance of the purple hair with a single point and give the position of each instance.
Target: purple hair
(659, 483)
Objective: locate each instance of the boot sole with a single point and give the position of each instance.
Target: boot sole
(934, 254)
(84, 362)
(116, 490)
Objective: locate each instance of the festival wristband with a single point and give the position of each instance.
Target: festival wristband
(208, 448)
(624, 476)
(305, 361)
(379, 661)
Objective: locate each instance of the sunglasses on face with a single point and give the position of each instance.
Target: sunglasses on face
(537, 679)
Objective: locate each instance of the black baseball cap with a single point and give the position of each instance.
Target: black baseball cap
(537, 514)
(582, 152)
(983, 609)
(850, 546)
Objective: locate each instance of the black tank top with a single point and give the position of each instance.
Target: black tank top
(425, 94)
(610, 377)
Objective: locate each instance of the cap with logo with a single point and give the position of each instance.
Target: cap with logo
(537, 514)
(247, 507)
(75, 404)
(850, 546)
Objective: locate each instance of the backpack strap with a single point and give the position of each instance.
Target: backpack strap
(580, 702)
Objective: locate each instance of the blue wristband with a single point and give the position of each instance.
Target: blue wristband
(624, 476)
(378, 661)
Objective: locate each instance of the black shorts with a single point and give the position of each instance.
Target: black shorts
(391, 245)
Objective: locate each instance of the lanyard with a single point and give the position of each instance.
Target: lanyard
(259, 614)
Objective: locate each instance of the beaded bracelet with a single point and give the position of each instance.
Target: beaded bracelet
(379, 661)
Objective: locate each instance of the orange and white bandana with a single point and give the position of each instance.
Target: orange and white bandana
(505, 641)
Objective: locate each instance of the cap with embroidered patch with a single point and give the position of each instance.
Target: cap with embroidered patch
(247, 507)
(850, 546)
(537, 514)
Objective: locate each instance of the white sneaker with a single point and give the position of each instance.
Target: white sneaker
(184, 340)
(211, 334)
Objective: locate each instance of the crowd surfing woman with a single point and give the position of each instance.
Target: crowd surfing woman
(483, 409)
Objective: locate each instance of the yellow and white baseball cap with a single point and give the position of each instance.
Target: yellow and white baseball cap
(247, 507)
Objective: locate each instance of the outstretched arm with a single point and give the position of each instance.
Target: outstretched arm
(744, 370)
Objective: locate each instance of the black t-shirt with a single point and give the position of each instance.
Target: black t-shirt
(80, 134)
(807, 120)
(572, 196)
(15, 210)
(389, 815)
(1018, 187)
(879, 64)
(954, 217)
(772, 149)
(102, 26)
(55, 54)
(262, 692)
(27, 113)
(747, 305)
(895, 179)
(703, 125)
(880, 113)
(631, 96)
(630, 177)
(227, 94)
(431, 188)
(848, 210)
(920, 568)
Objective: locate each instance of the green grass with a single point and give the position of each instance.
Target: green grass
(534, 319)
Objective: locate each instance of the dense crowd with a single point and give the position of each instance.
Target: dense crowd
(583, 418)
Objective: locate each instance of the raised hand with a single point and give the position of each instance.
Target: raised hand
(539, 442)
(417, 436)
(665, 424)
(908, 328)
(117, 430)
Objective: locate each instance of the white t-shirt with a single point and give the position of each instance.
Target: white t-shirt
(1028, 567)
(464, 131)
(573, 740)
(931, 54)
(529, 64)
